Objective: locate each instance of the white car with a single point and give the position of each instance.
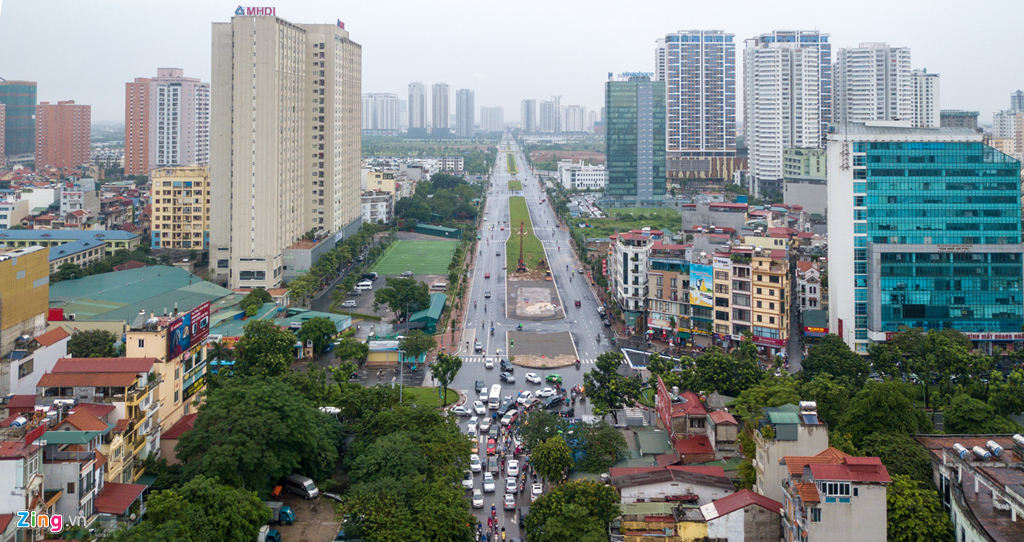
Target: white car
(536, 491)
(533, 378)
(471, 431)
(349, 304)
(546, 392)
(524, 397)
(479, 407)
(509, 417)
(478, 499)
(467, 480)
(510, 501)
(473, 422)
(474, 463)
(511, 485)
(485, 425)
(513, 467)
(488, 363)
(461, 411)
(488, 482)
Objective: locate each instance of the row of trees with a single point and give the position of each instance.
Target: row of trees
(443, 199)
(71, 271)
(329, 263)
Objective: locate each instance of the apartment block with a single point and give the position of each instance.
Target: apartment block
(771, 294)
(788, 430)
(872, 82)
(548, 117)
(958, 118)
(25, 287)
(440, 101)
(378, 207)
(63, 134)
(288, 162)
(19, 99)
(167, 122)
(380, 112)
(492, 119)
(465, 113)
(528, 116)
(627, 269)
(180, 200)
(417, 106)
(803, 176)
(925, 88)
(668, 302)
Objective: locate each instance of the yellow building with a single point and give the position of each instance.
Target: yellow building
(25, 294)
(766, 243)
(180, 358)
(181, 208)
(380, 181)
(770, 325)
(721, 266)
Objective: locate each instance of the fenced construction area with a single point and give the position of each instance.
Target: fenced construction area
(420, 257)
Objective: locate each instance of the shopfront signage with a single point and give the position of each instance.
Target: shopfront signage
(1013, 336)
(194, 387)
(255, 12)
(953, 248)
(816, 330)
(766, 341)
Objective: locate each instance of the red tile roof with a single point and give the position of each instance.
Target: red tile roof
(131, 264)
(5, 520)
(854, 469)
(803, 267)
(100, 411)
(690, 406)
(796, 463)
(16, 449)
(741, 499)
(699, 469)
(122, 425)
(87, 380)
(182, 426)
(104, 365)
(721, 417)
(808, 492)
(116, 498)
(728, 206)
(22, 401)
(100, 460)
(53, 336)
(695, 444)
(83, 420)
(708, 471)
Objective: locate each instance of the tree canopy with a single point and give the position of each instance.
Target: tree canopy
(403, 296)
(264, 349)
(444, 369)
(727, 374)
(416, 343)
(600, 501)
(608, 390)
(966, 414)
(92, 343)
(255, 298)
(884, 407)
(832, 356)
(914, 512)
(319, 330)
(552, 459)
(352, 349)
(900, 454)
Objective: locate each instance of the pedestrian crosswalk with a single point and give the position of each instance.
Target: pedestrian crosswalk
(480, 359)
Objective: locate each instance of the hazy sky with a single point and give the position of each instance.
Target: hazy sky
(86, 50)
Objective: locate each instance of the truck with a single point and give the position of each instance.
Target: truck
(268, 535)
(279, 513)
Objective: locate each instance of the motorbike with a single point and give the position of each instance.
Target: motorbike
(492, 331)
(598, 339)
(577, 365)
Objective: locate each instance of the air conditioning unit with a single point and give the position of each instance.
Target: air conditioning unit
(71, 316)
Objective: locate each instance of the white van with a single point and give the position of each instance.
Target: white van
(439, 287)
(494, 398)
(362, 286)
(300, 485)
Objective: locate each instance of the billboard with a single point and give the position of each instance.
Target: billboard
(701, 286)
(188, 330)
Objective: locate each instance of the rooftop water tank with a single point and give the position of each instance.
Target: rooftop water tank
(995, 448)
(961, 451)
(1019, 439)
(20, 421)
(981, 453)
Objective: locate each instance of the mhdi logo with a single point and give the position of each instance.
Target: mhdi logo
(251, 12)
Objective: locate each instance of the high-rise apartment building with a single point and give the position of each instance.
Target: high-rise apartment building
(380, 112)
(547, 112)
(787, 102)
(591, 120)
(556, 104)
(932, 238)
(1017, 101)
(957, 118)
(465, 113)
(635, 138)
(20, 123)
(63, 134)
(528, 114)
(181, 208)
(417, 106)
(574, 118)
(439, 107)
(871, 82)
(3, 134)
(166, 122)
(660, 59)
(285, 146)
(925, 101)
(492, 119)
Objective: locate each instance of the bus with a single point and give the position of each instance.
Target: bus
(494, 398)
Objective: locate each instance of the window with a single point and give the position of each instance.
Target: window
(758, 291)
(142, 343)
(835, 488)
(815, 515)
(71, 488)
(176, 396)
(26, 368)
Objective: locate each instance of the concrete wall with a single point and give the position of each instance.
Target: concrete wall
(25, 283)
(813, 197)
(730, 526)
(761, 525)
(863, 519)
(41, 362)
(703, 215)
(658, 492)
(811, 440)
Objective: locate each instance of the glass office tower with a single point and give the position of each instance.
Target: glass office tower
(20, 99)
(635, 139)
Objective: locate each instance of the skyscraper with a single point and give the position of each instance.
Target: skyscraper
(439, 104)
(786, 99)
(166, 122)
(63, 134)
(417, 106)
(660, 59)
(20, 127)
(528, 114)
(380, 112)
(285, 149)
(872, 82)
(635, 138)
(492, 119)
(699, 70)
(465, 113)
(1017, 101)
(924, 232)
(548, 117)
(3, 134)
(556, 102)
(924, 88)
(574, 118)
(591, 119)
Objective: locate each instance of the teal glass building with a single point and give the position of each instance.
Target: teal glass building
(635, 139)
(19, 97)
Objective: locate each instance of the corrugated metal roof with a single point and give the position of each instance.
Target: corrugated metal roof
(785, 414)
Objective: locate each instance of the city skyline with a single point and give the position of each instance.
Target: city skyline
(559, 65)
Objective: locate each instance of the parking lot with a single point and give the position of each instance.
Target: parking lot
(315, 519)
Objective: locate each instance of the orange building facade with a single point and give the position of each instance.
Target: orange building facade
(63, 135)
(136, 127)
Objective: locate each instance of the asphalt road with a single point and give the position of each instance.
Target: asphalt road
(584, 323)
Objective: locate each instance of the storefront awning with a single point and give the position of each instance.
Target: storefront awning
(631, 318)
(682, 335)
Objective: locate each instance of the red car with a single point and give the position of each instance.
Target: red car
(487, 275)
(503, 228)
(490, 446)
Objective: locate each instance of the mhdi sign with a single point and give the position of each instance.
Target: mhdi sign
(251, 12)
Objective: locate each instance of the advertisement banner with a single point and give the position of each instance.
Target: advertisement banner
(194, 387)
(701, 286)
(722, 262)
(766, 341)
(188, 330)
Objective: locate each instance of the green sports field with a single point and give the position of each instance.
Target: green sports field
(420, 257)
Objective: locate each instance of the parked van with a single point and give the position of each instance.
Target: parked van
(371, 276)
(298, 484)
(439, 287)
(363, 286)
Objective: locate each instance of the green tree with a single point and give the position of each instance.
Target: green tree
(601, 502)
(444, 369)
(219, 350)
(202, 509)
(771, 392)
(253, 431)
(880, 408)
(602, 446)
(256, 297)
(403, 296)
(416, 343)
(552, 459)
(832, 356)
(574, 523)
(832, 398)
(914, 512)
(900, 454)
(728, 375)
(67, 271)
(352, 349)
(540, 425)
(92, 343)
(1007, 396)
(264, 349)
(319, 330)
(968, 415)
(886, 358)
(608, 390)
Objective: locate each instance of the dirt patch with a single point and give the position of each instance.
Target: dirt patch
(543, 350)
(554, 156)
(535, 300)
(315, 520)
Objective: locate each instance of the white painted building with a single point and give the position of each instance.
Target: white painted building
(808, 285)
(492, 119)
(380, 111)
(871, 82)
(744, 516)
(20, 371)
(378, 207)
(578, 176)
(417, 106)
(668, 483)
(926, 109)
(628, 267)
(574, 119)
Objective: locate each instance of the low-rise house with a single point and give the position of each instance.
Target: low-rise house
(788, 430)
(21, 370)
(672, 484)
(726, 429)
(169, 439)
(744, 516)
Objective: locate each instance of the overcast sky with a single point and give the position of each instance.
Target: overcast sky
(85, 50)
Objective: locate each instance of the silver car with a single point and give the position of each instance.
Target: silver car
(511, 486)
(488, 482)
